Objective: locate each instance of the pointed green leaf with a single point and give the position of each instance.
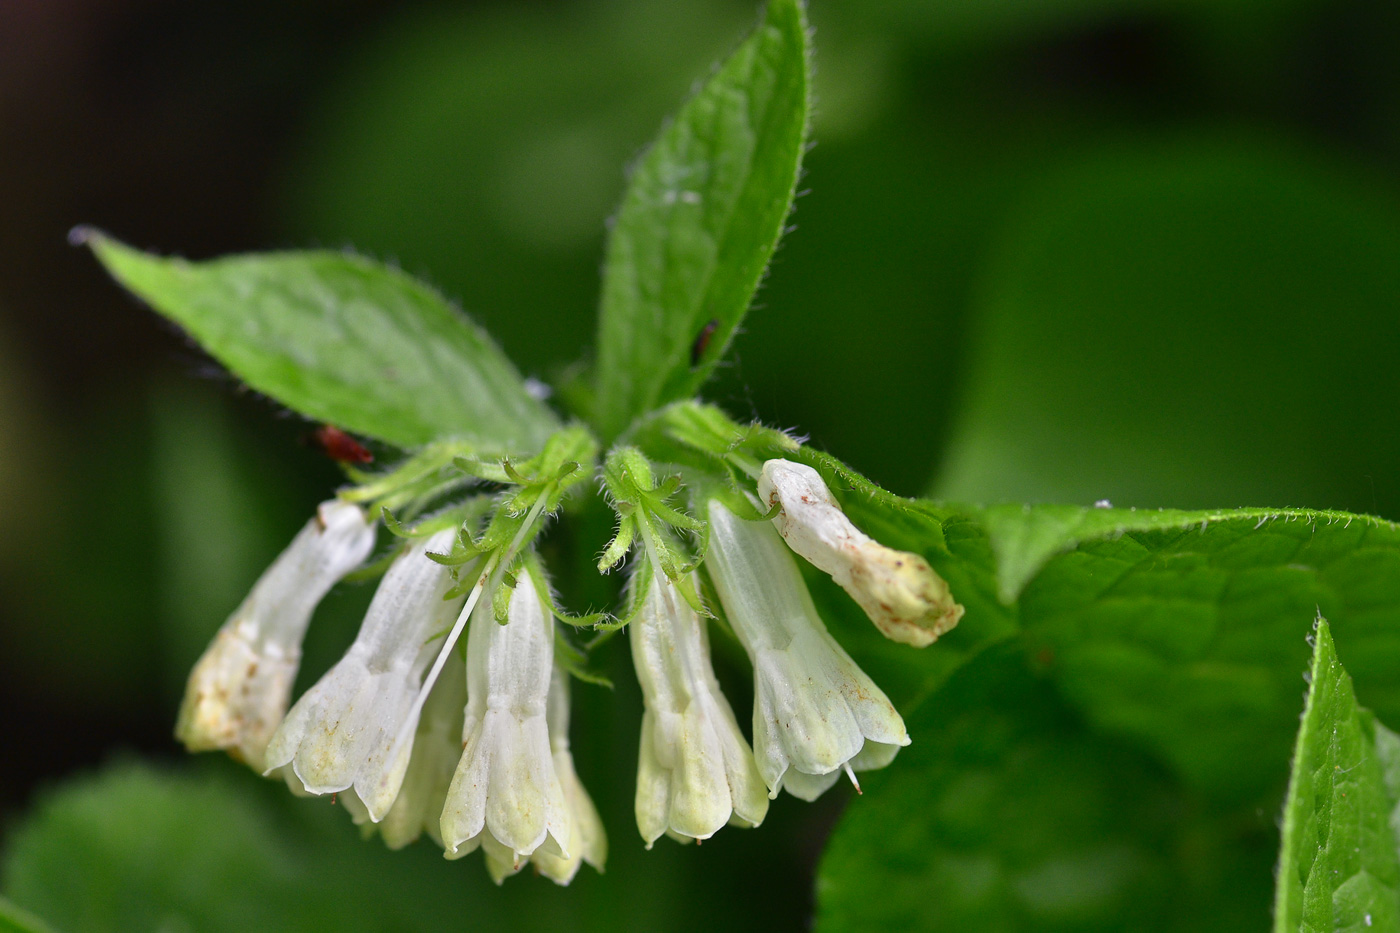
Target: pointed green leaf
(1338, 866)
(342, 339)
(702, 215)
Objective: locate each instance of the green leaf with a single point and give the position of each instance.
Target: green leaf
(1184, 631)
(703, 212)
(344, 340)
(1147, 307)
(1005, 814)
(14, 920)
(1338, 867)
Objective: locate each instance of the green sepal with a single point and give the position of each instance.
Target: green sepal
(620, 544)
(535, 568)
(574, 660)
(636, 590)
(373, 570)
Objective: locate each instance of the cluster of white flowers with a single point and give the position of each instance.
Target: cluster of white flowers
(477, 755)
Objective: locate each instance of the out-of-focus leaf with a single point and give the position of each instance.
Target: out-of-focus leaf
(220, 850)
(1006, 815)
(344, 340)
(220, 513)
(1338, 866)
(1199, 321)
(158, 852)
(14, 920)
(702, 215)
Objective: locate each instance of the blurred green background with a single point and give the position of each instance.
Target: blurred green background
(1065, 250)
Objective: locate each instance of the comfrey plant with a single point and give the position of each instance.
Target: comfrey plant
(449, 713)
(1092, 742)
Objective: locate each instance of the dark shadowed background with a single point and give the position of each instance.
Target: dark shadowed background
(1066, 250)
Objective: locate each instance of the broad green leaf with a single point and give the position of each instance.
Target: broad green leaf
(1188, 637)
(1005, 814)
(1181, 631)
(703, 212)
(344, 340)
(1338, 865)
(14, 920)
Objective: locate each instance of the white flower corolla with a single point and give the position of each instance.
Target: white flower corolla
(344, 732)
(815, 711)
(695, 772)
(239, 689)
(506, 795)
(436, 747)
(587, 840)
(901, 593)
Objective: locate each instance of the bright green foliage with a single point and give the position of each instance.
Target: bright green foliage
(344, 340)
(1188, 638)
(1338, 868)
(702, 215)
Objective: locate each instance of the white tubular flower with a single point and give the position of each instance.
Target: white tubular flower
(695, 771)
(343, 733)
(815, 710)
(901, 593)
(587, 840)
(436, 748)
(506, 795)
(239, 689)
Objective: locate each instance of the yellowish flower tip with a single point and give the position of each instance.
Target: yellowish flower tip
(905, 598)
(239, 689)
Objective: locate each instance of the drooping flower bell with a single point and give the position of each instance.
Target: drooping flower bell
(506, 796)
(695, 770)
(816, 712)
(239, 689)
(901, 593)
(587, 840)
(347, 731)
(437, 746)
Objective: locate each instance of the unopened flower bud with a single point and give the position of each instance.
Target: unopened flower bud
(901, 593)
(239, 689)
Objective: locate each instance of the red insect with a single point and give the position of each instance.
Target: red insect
(340, 446)
(702, 342)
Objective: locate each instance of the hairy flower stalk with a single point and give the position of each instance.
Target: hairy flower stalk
(901, 593)
(695, 771)
(239, 689)
(815, 711)
(506, 795)
(342, 734)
